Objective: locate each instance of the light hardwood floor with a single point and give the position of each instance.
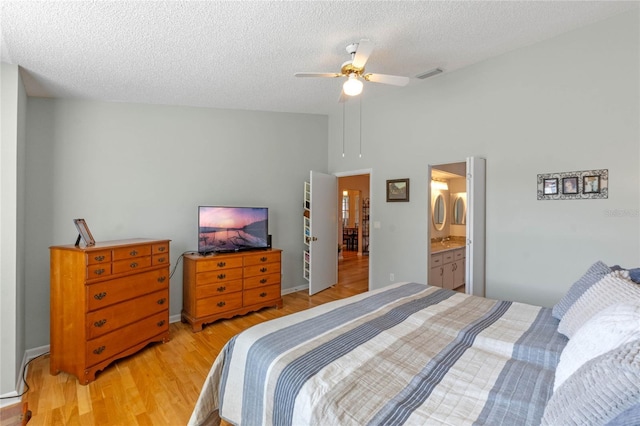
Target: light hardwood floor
(160, 384)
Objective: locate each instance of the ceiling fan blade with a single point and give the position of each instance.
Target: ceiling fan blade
(395, 80)
(317, 74)
(365, 47)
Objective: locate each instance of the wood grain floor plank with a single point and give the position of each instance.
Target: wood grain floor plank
(160, 384)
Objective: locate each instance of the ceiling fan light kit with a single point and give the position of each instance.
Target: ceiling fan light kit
(353, 86)
(354, 71)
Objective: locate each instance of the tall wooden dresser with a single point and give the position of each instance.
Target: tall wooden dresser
(108, 301)
(225, 285)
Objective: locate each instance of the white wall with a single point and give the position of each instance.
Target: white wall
(566, 104)
(141, 171)
(12, 319)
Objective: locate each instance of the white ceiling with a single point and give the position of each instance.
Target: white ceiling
(243, 54)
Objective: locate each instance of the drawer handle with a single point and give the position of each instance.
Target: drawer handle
(221, 289)
(262, 281)
(221, 304)
(160, 323)
(162, 279)
(99, 258)
(161, 259)
(133, 252)
(263, 259)
(99, 350)
(100, 323)
(263, 269)
(161, 301)
(222, 264)
(222, 276)
(133, 265)
(263, 294)
(99, 271)
(161, 249)
(100, 296)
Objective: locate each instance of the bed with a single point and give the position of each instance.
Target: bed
(413, 354)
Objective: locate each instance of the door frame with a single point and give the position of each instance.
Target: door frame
(473, 272)
(371, 208)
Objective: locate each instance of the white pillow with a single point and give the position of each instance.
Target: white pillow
(608, 329)
(614, 288)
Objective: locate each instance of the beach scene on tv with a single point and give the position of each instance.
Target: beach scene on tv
(232, 228)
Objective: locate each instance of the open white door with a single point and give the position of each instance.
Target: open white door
(475, 257)
(323, 245)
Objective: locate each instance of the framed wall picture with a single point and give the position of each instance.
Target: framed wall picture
(550, 186)
(84, 232)
(591, 184)
(398, 190)
(570, 185)
(575, 185)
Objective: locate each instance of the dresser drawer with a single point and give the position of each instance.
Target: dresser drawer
(218, 276)
(261, 280)
(218, 289)
(259, 295)
(218, 304)
(436, 260)
(113, 317)
(113, 343)
(108, 292)
(260, 258)
(131, 251)
(257, 270)
(98, 270)
(99, 256)
(132, 264)
(160, 248)
(160, 259)
(219, 263)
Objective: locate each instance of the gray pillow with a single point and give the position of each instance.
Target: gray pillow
(592, 276)
(604, 390)
(630, 417)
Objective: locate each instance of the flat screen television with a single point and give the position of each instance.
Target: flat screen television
(229, 229)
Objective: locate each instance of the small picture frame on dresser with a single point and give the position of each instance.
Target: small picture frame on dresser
(84, 233)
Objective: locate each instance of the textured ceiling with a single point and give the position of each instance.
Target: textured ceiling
(243, 54)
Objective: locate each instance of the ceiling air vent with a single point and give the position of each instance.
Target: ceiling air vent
(429, 73)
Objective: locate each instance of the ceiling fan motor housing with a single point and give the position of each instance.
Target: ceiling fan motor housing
(348, 68)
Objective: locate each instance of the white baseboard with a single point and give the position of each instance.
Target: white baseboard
(294, 289)
(14, 397)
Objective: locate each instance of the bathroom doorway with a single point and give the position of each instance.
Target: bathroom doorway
(456, 226)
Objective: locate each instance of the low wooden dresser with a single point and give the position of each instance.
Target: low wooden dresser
(108, 301)
(225, 285)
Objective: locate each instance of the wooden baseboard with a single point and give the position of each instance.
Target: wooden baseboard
(16, 414)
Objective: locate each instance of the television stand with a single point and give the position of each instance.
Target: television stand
(223, 285)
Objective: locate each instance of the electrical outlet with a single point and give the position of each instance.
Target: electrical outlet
(392, 277)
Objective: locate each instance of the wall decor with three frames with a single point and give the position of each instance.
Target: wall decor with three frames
(580, 185)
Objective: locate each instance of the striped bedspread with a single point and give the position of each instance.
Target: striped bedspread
(405, 354)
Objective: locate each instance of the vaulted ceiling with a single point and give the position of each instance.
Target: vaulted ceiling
(243, 54)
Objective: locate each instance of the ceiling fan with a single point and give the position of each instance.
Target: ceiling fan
(354, 71)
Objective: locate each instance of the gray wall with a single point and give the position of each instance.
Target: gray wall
(12, 258)
(141, 171)
(567, 104)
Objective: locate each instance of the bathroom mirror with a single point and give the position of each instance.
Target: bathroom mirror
(459, 211)
(439, 212)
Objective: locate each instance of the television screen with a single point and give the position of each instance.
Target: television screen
(225, 229)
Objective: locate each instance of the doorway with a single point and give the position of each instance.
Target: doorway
(353, 230)
(456, 226)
